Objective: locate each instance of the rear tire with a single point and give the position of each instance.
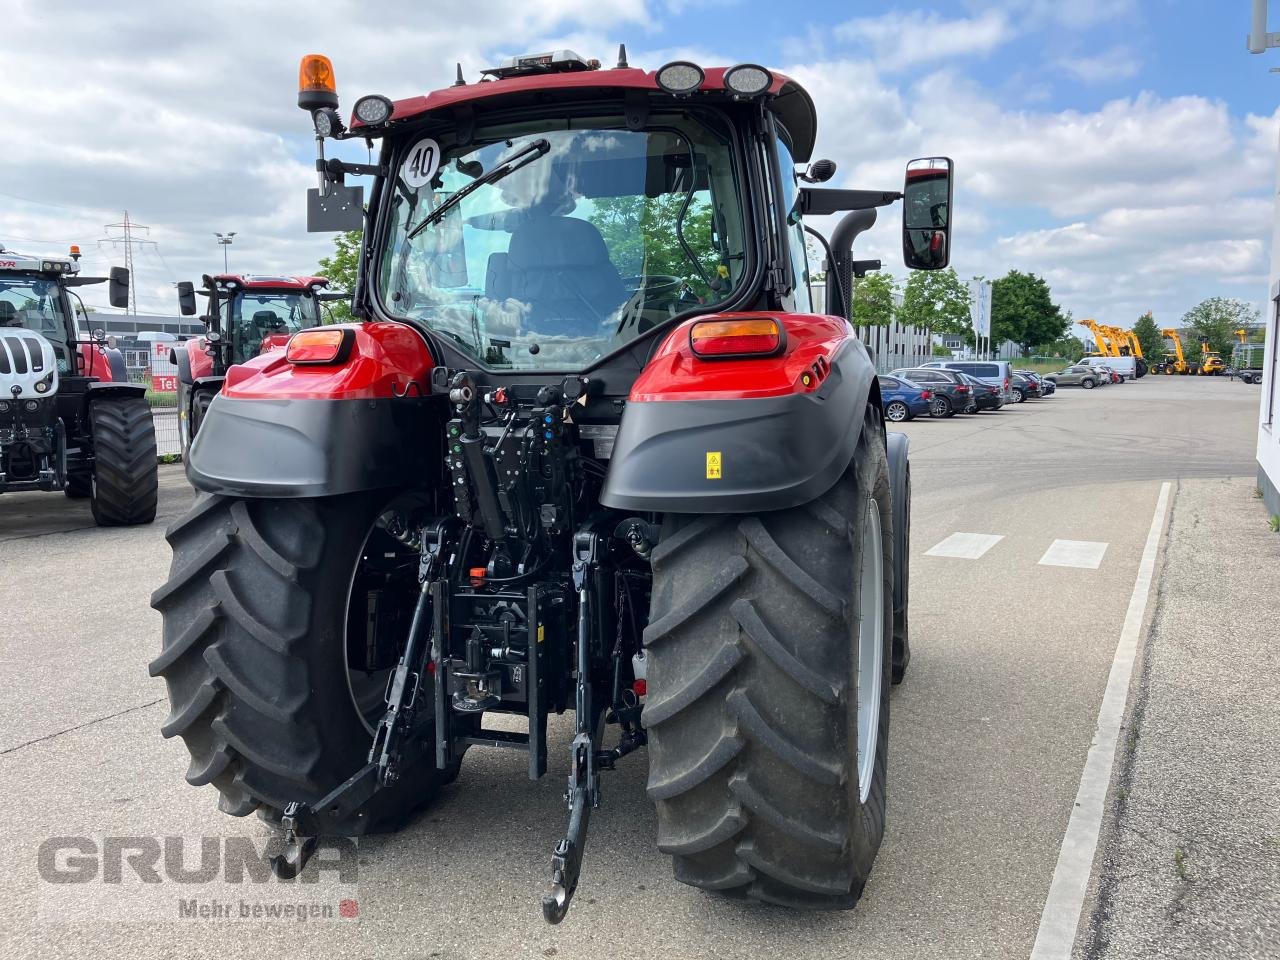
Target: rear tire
(941, 407)
(254, 655)
(125, 483)
(897, 411)
(1086, 384)
(753, 648)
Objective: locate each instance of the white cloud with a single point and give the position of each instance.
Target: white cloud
(192, 126)
(1146, 201)
(899, 40)
(1118, 63)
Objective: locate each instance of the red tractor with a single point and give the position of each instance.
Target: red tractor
(246, 316)
(69, 418)
(590, 450)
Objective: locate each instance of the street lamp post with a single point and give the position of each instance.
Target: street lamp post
(225, 240)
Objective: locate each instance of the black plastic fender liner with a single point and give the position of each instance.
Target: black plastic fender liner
(898, 457)
(741, 455)
(182, 360)
(315, 448)
(97, 389)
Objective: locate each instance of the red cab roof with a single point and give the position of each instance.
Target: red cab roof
(788, 99)
(253, 281)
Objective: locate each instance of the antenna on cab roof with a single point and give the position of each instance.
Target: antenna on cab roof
(459, 82)
(622, 56)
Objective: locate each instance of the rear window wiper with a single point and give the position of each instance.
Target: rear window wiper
(510, 165)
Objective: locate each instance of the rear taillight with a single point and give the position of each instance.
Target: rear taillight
(1006, 384)
(720, 339)
(926, 395)
(323, 345)
(962, 389)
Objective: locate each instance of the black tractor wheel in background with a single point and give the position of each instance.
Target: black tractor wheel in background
(271, 701)
(755, 664)
(195, 417)
(125, 483)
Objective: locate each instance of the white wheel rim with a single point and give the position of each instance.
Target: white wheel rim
(897, 412)
(870, 649)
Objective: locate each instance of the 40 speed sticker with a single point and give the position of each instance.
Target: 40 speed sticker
(421, 163)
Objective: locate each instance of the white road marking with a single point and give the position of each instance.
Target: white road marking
(1085, 554)
(965, 546)
(1061, 917)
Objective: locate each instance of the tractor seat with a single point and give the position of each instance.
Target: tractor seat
(560, 268)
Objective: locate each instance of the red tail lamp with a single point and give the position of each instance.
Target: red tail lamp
(722, 339)
(319, 346)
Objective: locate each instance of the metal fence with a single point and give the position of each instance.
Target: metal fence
(164, 411)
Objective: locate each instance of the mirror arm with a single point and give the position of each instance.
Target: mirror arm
(821, 202)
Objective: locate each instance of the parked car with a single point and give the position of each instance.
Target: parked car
(903, 400)
(986, 396)
(1109, 373)
(1127, 367)
(1023, 388)
(950, 394)
(1042, 385)
(995, 372)
(1078, 375)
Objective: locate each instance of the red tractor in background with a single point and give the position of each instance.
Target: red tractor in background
(589, 450)
(69, 418)
(247, 315)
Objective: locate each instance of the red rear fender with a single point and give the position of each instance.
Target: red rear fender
(675, 373)
(386, 360)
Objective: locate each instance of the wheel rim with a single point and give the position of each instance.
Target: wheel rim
(378, 551)
(870, 648)
(939, 408)
(897, 412)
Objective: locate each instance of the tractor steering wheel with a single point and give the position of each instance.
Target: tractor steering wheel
(656, 287)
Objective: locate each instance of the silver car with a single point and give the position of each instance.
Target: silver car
(1079, 375)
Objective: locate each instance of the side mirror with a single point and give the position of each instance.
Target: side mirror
(118, 288)
(926, 213)
(187, 298)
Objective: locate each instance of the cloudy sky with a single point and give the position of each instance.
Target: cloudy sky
(1124, 150)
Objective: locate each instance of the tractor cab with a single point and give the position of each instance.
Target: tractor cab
(248, 315)
(37, 295)
(245, 316)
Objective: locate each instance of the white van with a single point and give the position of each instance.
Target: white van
(1127, 367)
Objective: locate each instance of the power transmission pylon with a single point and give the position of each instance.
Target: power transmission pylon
(126, 228)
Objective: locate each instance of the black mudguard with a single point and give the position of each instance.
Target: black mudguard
(182, 360)
(98, 389)
(315, 448)
(772, 453)
(900, 489)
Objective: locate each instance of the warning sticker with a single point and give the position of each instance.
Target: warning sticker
(713, 464)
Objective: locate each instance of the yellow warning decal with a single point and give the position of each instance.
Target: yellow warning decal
(713, 464)
(541, 632)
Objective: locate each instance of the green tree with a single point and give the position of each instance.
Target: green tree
(640, 233)
(1216, 320)
(1022, 311)
(341, 269)
(873, 299)
(936, 300)
(1149, 338)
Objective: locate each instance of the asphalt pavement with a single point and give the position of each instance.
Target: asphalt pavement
(987, 741)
